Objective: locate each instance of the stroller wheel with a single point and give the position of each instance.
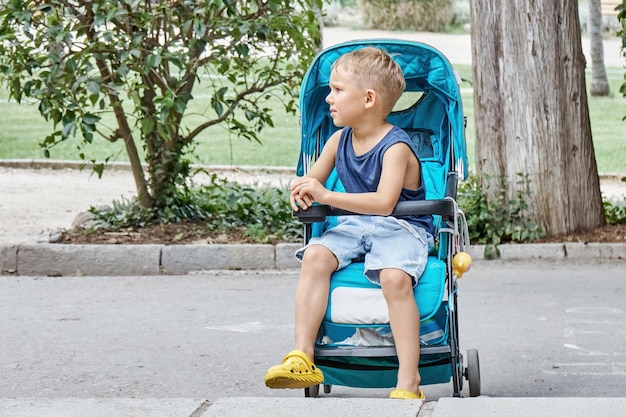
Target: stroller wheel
(312, 392)
(472, 372)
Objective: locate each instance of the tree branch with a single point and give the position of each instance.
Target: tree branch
(231, 109)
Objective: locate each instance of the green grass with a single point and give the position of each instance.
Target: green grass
(22, 128)
(607, 125)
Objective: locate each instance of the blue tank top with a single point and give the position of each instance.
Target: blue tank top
(361, 174)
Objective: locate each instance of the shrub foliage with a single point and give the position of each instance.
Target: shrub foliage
(417, 15)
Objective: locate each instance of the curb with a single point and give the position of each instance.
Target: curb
(126, 260)
(555, 251)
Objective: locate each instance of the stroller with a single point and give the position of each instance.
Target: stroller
(354, 346)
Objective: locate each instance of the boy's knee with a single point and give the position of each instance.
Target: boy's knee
(319, 256)
(396, 283)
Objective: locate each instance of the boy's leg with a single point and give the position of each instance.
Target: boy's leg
(318, 263)
(397, 288)
(297, 369)
(397, 258)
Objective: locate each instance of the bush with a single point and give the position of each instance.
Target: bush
(415, 15)
(342, 13)
(615, 211)
(262, 214)
(500, 220)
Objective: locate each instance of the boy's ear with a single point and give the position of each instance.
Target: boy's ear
(370, 98)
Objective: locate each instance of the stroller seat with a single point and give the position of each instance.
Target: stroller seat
(350, 290)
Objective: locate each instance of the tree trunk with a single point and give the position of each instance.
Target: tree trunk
(599, 82)
(531, 111)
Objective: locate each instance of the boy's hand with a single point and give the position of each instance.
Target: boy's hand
(305, 191)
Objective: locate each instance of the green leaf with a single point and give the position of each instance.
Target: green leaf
(152, 61)
(147, 126)
(69, 129)
(90, 119)
(218, 107)
(93, 87)
(180, 105)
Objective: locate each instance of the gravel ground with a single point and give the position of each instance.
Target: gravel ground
(37, 202)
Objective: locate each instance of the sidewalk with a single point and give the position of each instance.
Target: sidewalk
(314, 407)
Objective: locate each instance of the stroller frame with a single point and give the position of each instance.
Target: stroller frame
(429, 75)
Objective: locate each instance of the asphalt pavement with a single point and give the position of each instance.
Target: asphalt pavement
(550, 337)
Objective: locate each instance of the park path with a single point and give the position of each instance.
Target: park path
(457, 47)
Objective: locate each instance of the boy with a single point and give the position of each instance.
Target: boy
(379, 167)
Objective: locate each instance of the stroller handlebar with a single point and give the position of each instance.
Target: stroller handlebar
(445, 207)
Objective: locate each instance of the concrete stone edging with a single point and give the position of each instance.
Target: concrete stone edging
(124, 260)
(568, 250)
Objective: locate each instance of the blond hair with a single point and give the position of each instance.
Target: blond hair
(374, 68)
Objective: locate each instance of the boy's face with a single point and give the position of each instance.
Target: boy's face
(346, 99)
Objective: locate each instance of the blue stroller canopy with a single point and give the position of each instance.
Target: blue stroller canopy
(425, 70)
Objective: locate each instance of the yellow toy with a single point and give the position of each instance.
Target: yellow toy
(461, 263)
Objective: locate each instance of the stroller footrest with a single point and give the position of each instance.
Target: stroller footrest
(373, 351)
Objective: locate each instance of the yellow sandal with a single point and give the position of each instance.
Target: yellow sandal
(405, 394)
(296, 371)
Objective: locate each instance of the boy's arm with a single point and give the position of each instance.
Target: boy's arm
(381, 202)
(316, 177)
(324, 165)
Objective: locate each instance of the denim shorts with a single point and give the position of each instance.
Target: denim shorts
(383, 242)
